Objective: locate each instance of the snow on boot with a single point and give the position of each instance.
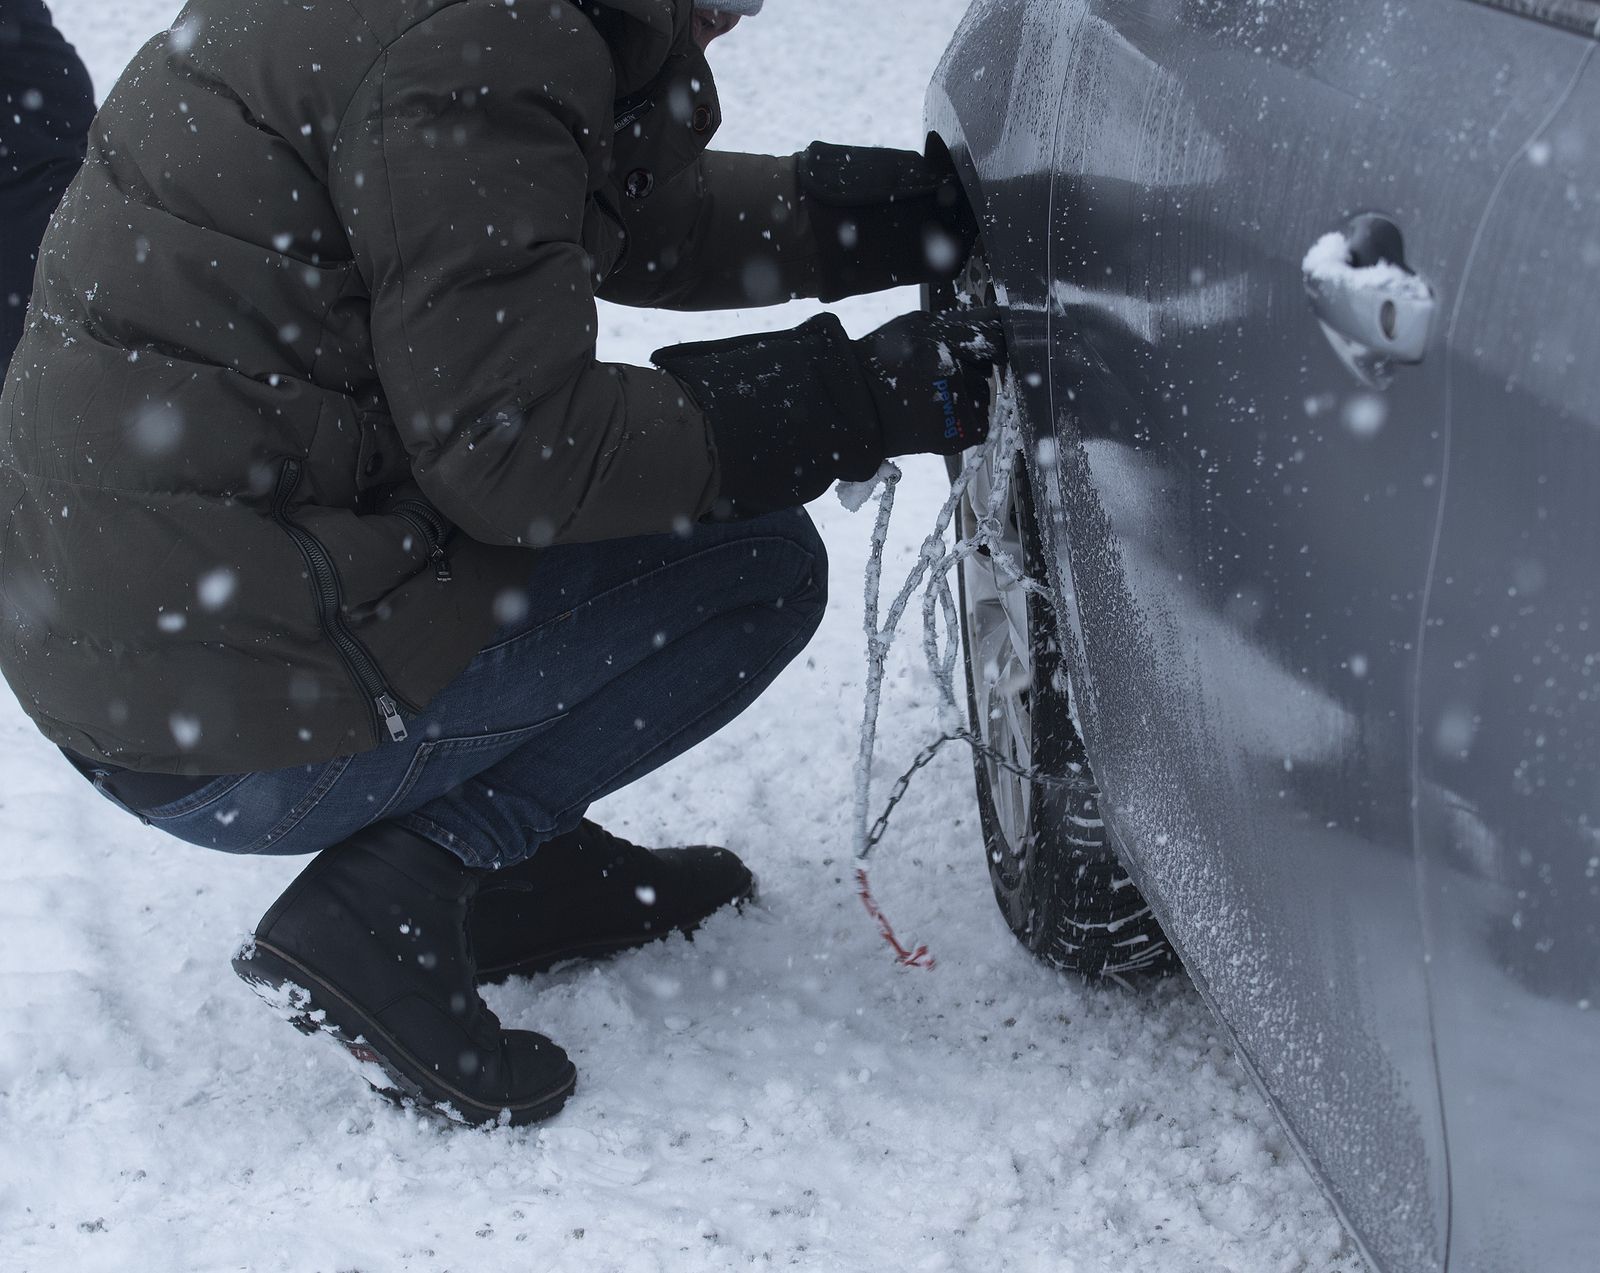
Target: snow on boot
(369, 945)
(589, 893)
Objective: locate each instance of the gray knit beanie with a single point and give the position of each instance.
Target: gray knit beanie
(748, 8)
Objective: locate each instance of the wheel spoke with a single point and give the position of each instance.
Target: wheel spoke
(1015, 603)
(1000, 643)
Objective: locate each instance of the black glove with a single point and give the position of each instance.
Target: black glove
(792, 412)
(882, 218)
(929, 375)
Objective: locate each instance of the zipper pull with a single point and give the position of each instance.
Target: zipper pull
(391, 718)
(441, 564)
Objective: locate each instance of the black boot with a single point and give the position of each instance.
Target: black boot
(590, 893)
(369, 945)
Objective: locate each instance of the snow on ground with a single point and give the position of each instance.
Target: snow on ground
(776, 1093)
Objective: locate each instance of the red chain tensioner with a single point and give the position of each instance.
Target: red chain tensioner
(918, 958)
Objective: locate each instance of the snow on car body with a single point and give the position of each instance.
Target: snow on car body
(1324, 547)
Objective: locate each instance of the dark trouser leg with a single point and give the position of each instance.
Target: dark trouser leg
(46, 104)
(634, 651)
(628, 653)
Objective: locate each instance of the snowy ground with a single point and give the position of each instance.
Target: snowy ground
(775, 1094)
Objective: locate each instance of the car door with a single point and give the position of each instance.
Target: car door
(1247, 494)
(1508, 735)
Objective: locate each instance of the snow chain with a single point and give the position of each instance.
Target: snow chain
(935, 562)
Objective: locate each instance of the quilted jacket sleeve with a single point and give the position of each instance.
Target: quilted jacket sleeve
(463, 172)
(730, 232)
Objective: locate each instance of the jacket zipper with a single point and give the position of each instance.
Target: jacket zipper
(433, 530)
(325, 584)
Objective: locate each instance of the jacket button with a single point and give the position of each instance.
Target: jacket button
(640, 182)
(374, 463)
(701, 122)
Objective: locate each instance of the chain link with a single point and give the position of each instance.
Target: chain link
(1058, 782)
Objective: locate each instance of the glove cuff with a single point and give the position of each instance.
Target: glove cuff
(865, 176)
(789, 413)
(883, 218)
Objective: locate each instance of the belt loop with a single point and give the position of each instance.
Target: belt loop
(98, 777)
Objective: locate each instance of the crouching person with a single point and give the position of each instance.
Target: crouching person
(326, 533)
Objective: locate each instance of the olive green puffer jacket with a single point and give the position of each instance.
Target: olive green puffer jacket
(310, 368)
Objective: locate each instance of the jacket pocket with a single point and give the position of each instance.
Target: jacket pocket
(326, 595)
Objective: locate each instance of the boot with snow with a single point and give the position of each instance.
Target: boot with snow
(589, 893)
(369, 945)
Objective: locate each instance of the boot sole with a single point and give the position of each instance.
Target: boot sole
(314, 1007)
(602, 948)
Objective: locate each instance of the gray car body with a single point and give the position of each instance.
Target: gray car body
(1335, 646)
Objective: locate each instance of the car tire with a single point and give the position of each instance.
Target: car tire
(1054, 870)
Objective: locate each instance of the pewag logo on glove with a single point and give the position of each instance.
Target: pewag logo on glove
(952, 426)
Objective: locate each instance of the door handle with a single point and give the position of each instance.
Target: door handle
(1373, 307)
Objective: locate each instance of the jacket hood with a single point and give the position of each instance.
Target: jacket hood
(655, 28)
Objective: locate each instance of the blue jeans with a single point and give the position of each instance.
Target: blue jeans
(631, 652)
